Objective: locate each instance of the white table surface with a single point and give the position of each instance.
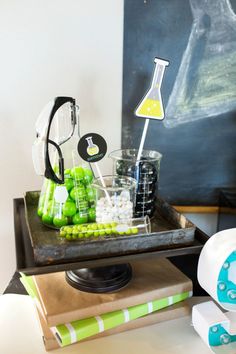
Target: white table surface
(20, 333)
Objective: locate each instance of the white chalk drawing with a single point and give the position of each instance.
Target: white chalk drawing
(205, 85)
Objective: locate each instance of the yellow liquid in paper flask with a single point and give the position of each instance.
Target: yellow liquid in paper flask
(93, 150)
(151, 108)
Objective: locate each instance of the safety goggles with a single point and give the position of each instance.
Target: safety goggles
(55, 125)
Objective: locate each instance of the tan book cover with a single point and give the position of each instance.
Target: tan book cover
(152, 280)
(175, 311)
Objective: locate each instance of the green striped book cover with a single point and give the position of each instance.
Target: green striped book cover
(76, 331)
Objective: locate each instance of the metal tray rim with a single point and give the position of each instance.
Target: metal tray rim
(30, 268)
(190, 227)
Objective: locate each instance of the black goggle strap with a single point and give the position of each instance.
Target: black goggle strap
(49, 172)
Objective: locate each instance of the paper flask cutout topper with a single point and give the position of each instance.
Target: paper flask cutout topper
(151, 106)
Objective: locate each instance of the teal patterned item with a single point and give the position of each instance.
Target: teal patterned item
(219, 336)
(226, 288)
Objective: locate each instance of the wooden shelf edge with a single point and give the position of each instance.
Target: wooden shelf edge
(197, 209)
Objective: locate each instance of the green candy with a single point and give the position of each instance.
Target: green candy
(69, 209)
(50, 190)
(67, 173)
(60, 221)
(67, 229)
(40, 212)
(78, 193)
(91, 194)
(100, 226)
(62, 233)
(94, 227)
(80, 218)
(134, 230)
(83, 205)
(93, 230)
(77, 173)
(69, 183)
(47, 218)
(88, 175)
(50, 206)
(107, 226)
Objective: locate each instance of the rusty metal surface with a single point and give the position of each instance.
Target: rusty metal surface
(169, 229)
(26, 263)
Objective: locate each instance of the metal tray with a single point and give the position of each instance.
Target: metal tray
(27, 265)
(169, 229)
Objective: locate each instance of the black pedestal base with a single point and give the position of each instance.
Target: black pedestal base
(101, 279)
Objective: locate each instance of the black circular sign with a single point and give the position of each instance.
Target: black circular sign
(92, 147)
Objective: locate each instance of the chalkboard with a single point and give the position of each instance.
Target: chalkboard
(198, 136)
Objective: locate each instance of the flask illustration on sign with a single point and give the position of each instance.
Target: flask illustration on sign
(205, 85)
(92, 148)
(151, 105)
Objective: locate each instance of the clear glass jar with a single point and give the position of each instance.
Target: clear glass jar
(145, 172)
(115, 198)
(76, 202)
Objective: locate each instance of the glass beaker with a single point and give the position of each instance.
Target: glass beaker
(76, 202)
(67, 196)
(145, 172)
(114, 202)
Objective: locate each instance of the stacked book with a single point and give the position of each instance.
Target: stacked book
(157, 292)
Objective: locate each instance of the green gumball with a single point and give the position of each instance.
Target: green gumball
(60, 221)
(78, 193)
(83, 206)
(88, 175)
(69, 183)
(69, 209)
(80, 218)
(77, 173)
(40, 212)
(67, 173)
(91, 214)
(50, 190)
(50, 206)
(91, 194)
(47, 218)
